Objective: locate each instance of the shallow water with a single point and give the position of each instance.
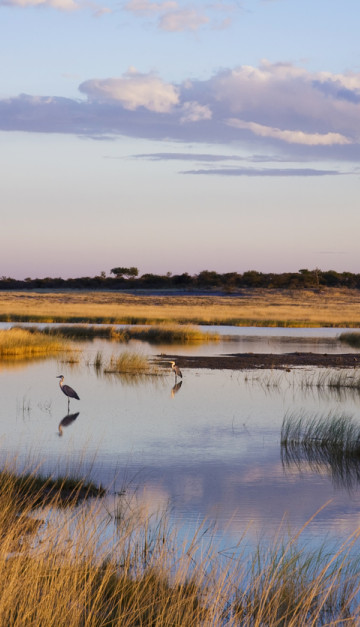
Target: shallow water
(209, 448)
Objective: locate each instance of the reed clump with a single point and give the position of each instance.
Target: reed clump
(352, 339)
(333, 431)
(323, 442)
(153, 334)
(334, 379)
(129, 363)
(18, 343)
(171, 334)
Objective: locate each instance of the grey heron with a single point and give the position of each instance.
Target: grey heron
(68, 391)
(176, 370)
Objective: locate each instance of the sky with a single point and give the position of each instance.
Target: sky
(179, 136)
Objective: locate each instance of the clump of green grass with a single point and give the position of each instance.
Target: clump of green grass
(333, 431)
(18, 343)
(330, 442)
(353, 339)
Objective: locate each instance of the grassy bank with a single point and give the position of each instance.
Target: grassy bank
(256, 307)
(164, 333)
(23, 344)
(66, 574)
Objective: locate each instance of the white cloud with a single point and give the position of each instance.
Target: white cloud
(278, 107)
(194, 112)
(291, 136)
(173, 16)
(186, 19)
(134, 90)
(147, 7)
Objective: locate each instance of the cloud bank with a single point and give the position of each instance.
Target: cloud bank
(275, 107)
(173, 16)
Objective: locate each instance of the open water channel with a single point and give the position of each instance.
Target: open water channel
(209, 448)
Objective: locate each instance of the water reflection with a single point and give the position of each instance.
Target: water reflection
(214, 451)
(175, 389)
(342, 466)
(67, 421)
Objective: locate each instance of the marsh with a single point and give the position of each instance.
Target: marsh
(211, 451)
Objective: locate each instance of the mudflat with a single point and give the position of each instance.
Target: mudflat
(251, 361)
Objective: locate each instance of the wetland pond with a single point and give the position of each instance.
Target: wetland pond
(209, 448)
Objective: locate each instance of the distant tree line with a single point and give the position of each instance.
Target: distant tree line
(207, 280)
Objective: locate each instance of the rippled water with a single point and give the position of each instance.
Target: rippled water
(209, 448)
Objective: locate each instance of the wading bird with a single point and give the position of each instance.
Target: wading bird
(176, 370)
(68, 391)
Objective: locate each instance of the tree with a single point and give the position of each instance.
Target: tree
(131, 273)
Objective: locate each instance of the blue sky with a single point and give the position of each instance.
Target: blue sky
(179, 136)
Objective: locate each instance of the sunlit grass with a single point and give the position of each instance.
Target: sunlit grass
(61, 574)
(171, 334)
(255, 307)
(129, 363)
(153, 334)
(22, 344)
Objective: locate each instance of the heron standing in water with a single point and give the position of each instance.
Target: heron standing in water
(176, 370)
(68, 391)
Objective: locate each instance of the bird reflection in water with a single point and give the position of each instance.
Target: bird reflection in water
(66, 421)
(176, 388)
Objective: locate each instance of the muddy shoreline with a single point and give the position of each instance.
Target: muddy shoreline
(251, 361)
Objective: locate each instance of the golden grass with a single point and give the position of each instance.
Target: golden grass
(153, 334)
(330, 307)
(128, 363)
(60, 574)
(22, 344)
(56, 569)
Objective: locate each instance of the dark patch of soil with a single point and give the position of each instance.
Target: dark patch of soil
(248, 361)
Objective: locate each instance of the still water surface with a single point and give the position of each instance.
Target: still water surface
(209, 448)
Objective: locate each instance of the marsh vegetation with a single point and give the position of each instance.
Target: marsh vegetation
(67, 559)
(145, 575)
(164, 333)
(352, 339)
(23, 344)
(324, 442)
(255, 307)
